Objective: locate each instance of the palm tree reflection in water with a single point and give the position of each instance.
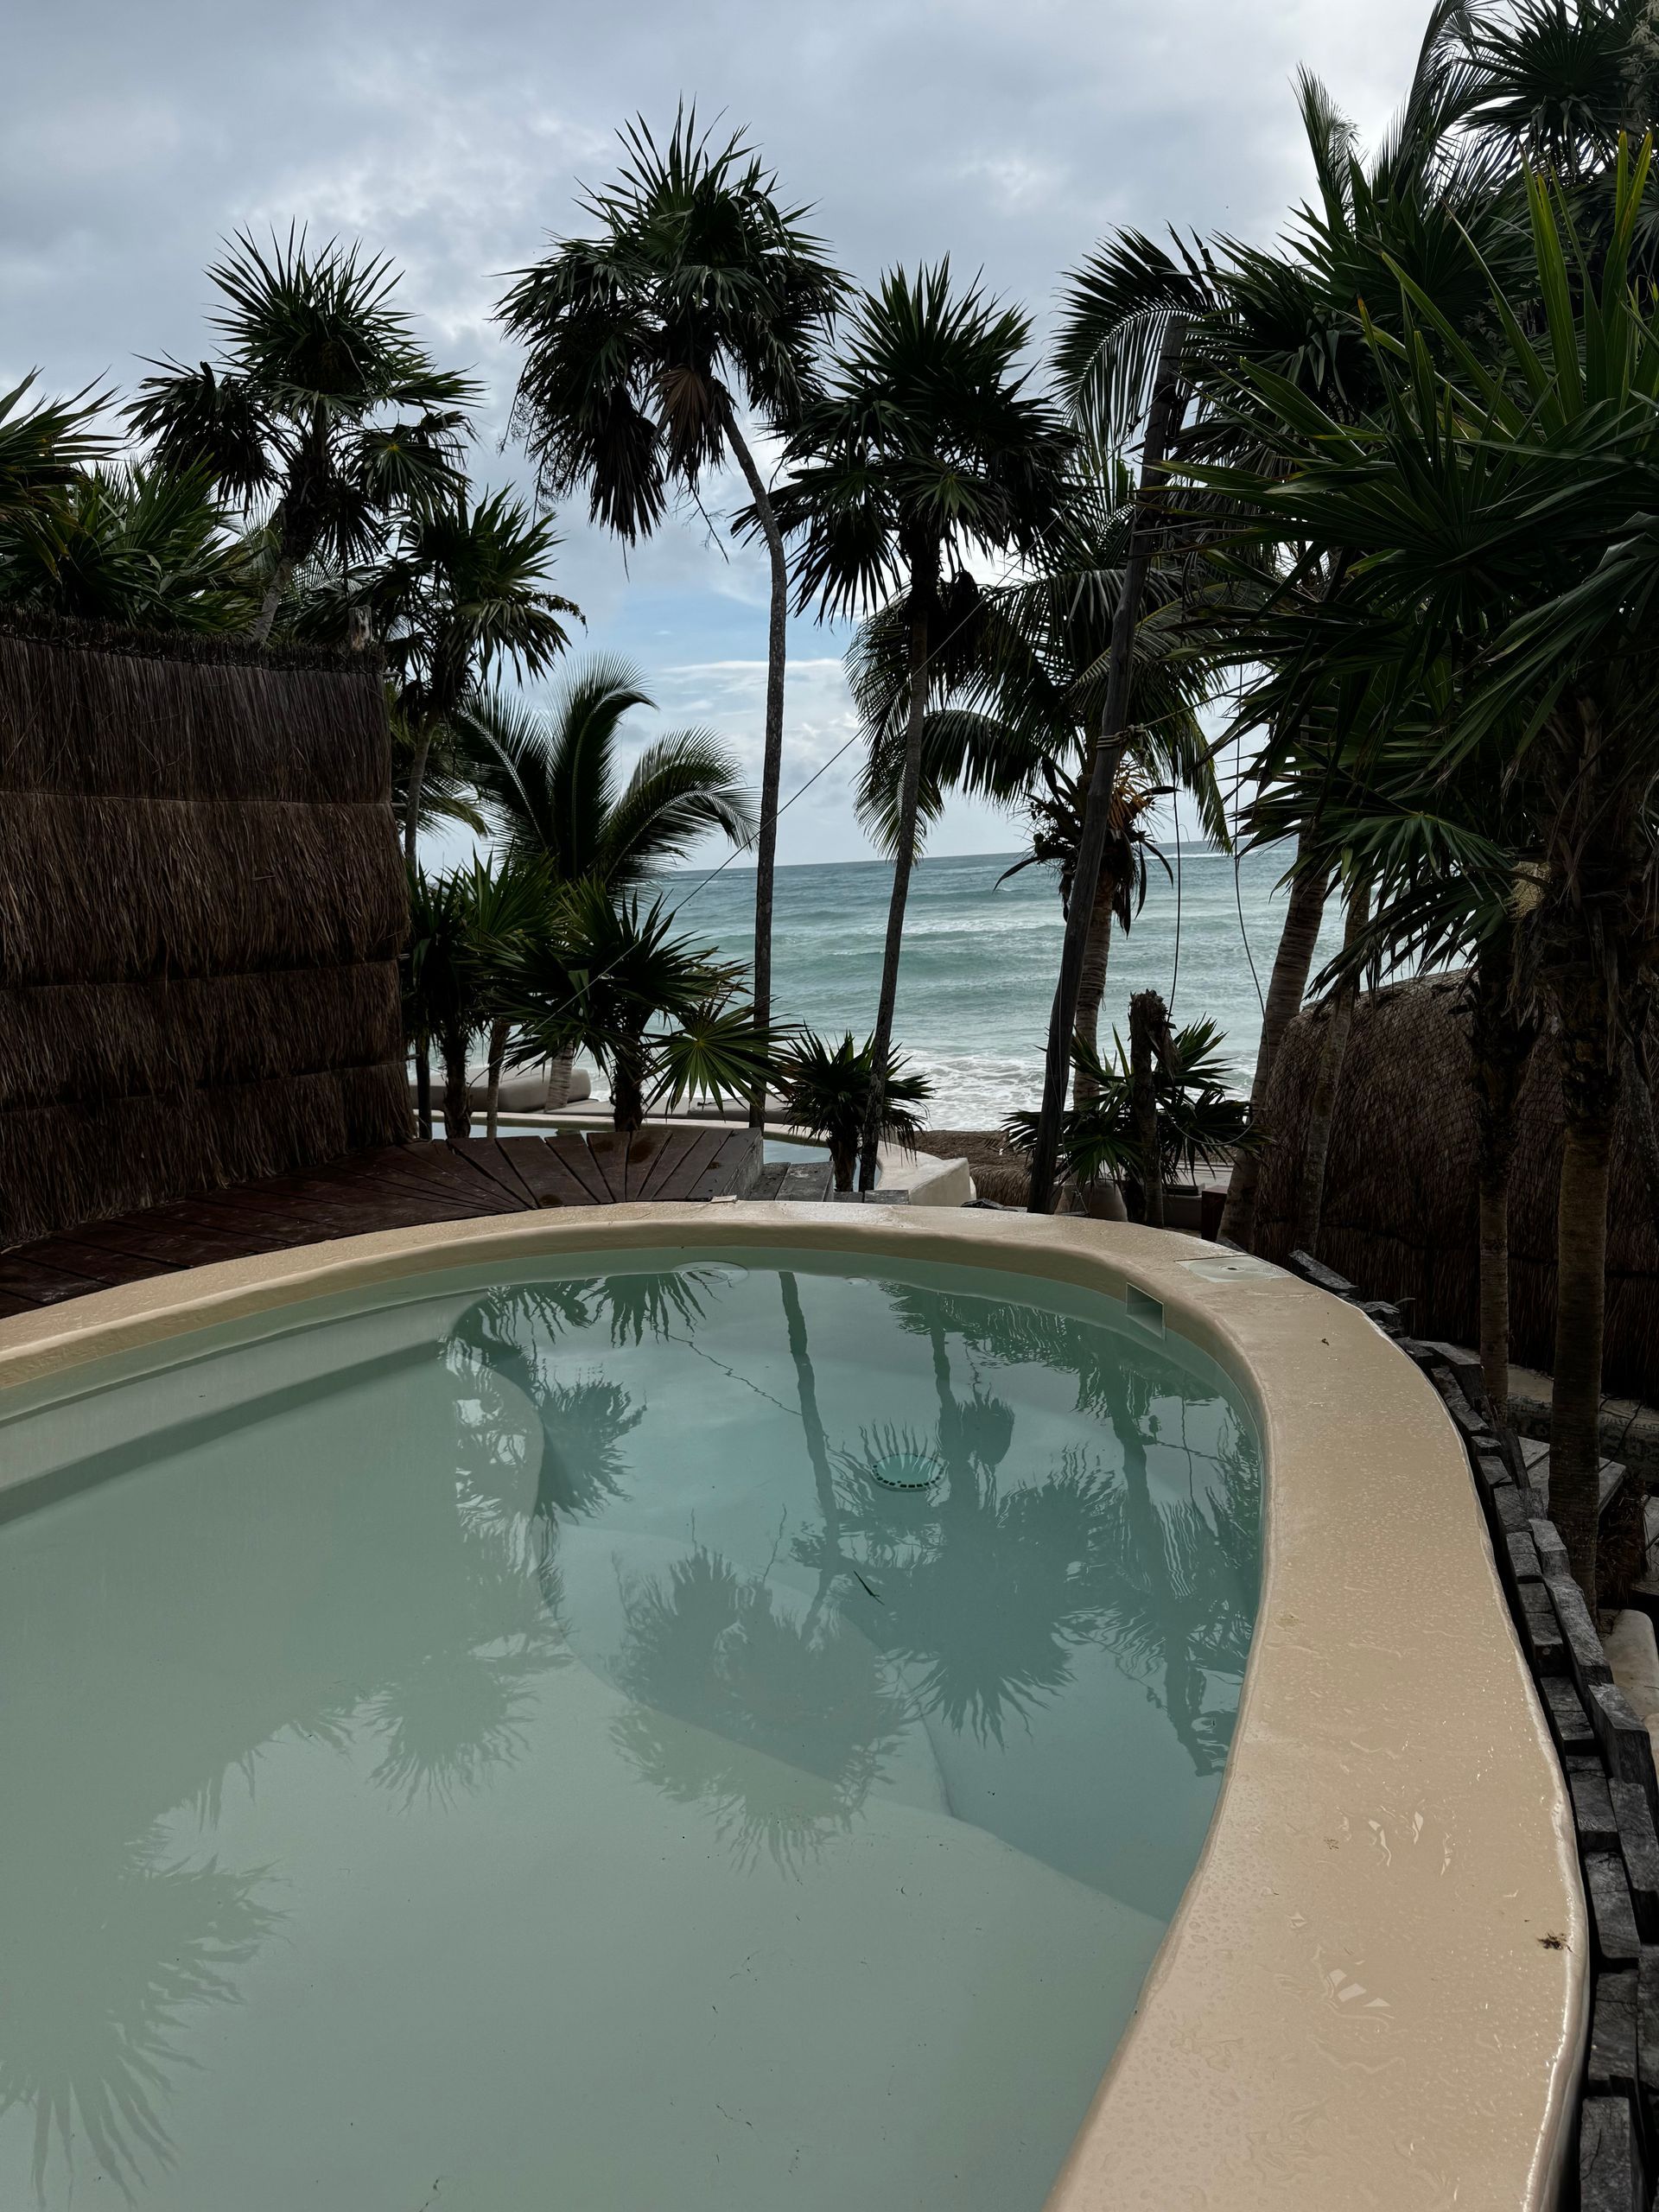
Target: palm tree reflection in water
(962, 1609)
(779, 1722)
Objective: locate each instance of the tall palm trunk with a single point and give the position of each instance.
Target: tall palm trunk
(1327, 1083)
(560, 1068)
(497, 1050)
(1639, 1087)
(772, 759)
(1111, 741)
(412, 802)
(423, 1087)
(1091, 982)
(1148, 1036)
(1292, 965)
(909, 793)
(628, 1091)
(457, 1106)
(1590, 1084)
(1501, 1042)
(282, 575)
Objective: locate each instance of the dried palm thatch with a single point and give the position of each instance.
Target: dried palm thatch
(201, 903)
(1401, 1204)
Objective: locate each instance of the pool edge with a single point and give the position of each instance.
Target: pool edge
(1355, 2003)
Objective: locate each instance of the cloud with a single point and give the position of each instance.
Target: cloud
(133, 140)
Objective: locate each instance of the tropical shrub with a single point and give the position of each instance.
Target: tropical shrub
(826, 1090)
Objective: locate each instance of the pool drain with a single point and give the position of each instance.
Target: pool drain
(906, 1471)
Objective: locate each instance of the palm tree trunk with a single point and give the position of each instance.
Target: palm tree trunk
(1110, 742)
(627, 1092)
(909, 793)
(423, 1088)
(1501, 1043)
(1590, 1083)
(457, 1107)
(1322, 1109)
(1148, 1024)
(1091, 982)
(1291, 966)
(412, 802)
(1639, 1091)
(497, 1050)
(559, 1070)
(260, 628)
(771, 759)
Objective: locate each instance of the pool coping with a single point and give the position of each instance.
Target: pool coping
(1374, 1991)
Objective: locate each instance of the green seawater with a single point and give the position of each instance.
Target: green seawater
(982, 950)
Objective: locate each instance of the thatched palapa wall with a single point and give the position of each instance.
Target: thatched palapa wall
(201, 903)
(1402, 1203)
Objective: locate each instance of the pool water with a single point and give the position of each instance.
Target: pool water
(723, 1734)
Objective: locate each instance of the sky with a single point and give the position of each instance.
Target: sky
(133, 139)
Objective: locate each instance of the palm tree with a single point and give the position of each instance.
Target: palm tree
(325, 412)
(926, 449)
(140, 545)
(463, 587)
(826, 1091)
(549, 780)
(1196, 1116)
(41, 448)
(698, 292)
(1501, 504)
(1025, 677)
(464, 928)
(1430, 201)
(599, 973)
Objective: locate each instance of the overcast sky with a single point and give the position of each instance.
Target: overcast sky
(134, 136)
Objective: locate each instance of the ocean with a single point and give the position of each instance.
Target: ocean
(980, 956)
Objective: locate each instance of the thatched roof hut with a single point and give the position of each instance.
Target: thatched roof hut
(201, 904)
(1401, 1202)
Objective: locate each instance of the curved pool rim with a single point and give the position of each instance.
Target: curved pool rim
(1374, 1991)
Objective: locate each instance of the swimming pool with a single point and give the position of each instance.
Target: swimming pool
(719, 1730)
(353, 1825)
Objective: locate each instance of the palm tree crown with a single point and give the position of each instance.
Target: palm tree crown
(315, 358)
(550, 781)
(698, 287)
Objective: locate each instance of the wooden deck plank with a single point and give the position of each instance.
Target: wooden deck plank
(106, 1265)
(425, 1165)
(394, 1186)
(608, 1150)
(720, 1178)
(500, 1189)
(169, 1245)
(432, 1180)
(537, 1170)
(567, 1185)
(39, 1285)
(275, 1229)
(681, 1167)
(646, 1150)
(571, 1151)
(392, 1205)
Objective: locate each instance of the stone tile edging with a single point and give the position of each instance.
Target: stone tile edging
(1606, 1754)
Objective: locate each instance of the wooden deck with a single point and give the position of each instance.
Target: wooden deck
(401, 1187)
